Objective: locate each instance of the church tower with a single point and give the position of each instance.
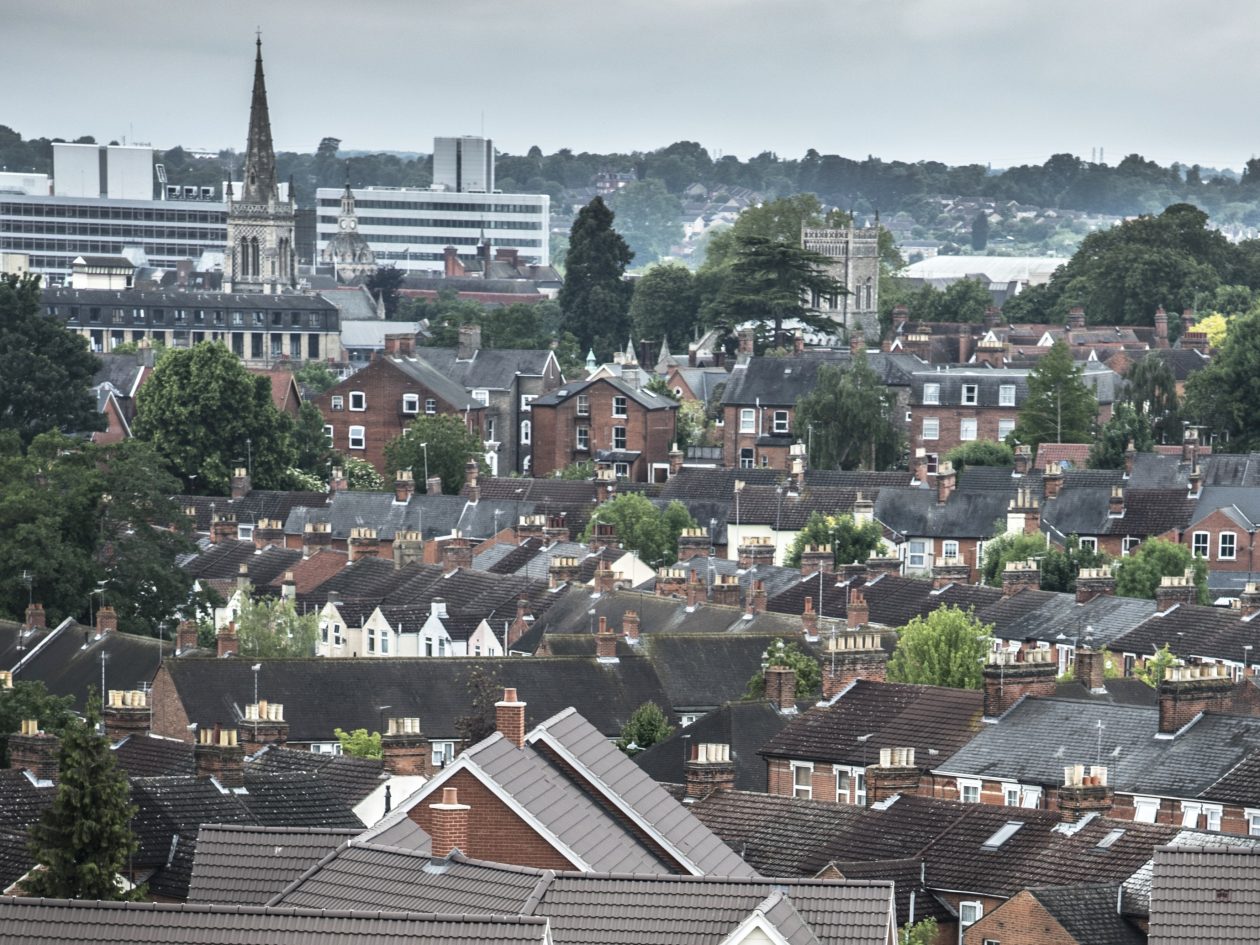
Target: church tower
(260, 255)
(348, 251)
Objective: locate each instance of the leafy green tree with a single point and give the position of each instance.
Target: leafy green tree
(1059, 408)
(650, 219)
(665, 305)
(1152, 671)
(922, 932)
(585, 469)
(385, 283)
(314, 454)
(316, 376)
(1126, 426)
(772, 281)
(1222, 396)
(1138, 574)
(946, 648)
(849, 541)
(206, 415)
(31, 700)
(980, 232)
(595, 299)
(1006, 548)
(359, 743)
(643, 528)
(272, 628)
(1059, 567)
(779, 221)
(84, 839)
(1152, 389)
(853, 419)
(646, 726)
(450, 446)
(980, 453)
(805, 665)
(45, 369)
(361, 476)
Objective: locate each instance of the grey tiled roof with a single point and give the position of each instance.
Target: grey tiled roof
(491, 368)
(1137, 888)
(1205, 895)
(247, 864)
(69, 662)
(916, 512)
(644, 398)
(1108, 617)
(1088, 913)
(1193, 631)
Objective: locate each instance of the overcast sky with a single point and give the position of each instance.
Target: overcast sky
(997, 81)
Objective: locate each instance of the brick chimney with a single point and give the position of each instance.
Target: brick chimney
(240, 482)
(630, 626)
(605, 642)
(222, 527)
(896, 773)
(563, 569)
(1090, 666)
(408, 548)
(337, 481)
(605, 579)
(851, 656)
(1249, 599)
(725, 590)
(708, 769)
(1130, 458)
(457, 553)
(920, 466)
(1161, 328)
(530, 526)
(268, 531)
(1051, 481)
(695, 590)
(218, 754)
(400, 345)
(1023, 459)
(1007, 679)
(1190, 445)
(945, 482)
(35, 617)
(106, 620)
(404, 749)
(520, 623)
(509, 718)
(853, 574)
(747, 340)
(288, 587)
(469, 341)
(1176, 589)
(947, 571)
(242, 577)
(471, 472)
(186, 636)
(1076, 317)
(857, 612)
(671, 582)
(1115, 503)
(757, 598)
(755, 551)
(125, 713)
(1020, 576)
(448, 826)
(362, 543)
(877, 565)
(1094, 582)
(315, 535)
(404, 486)
(603, 535)
(693, 543)
(809, 620)
(815, 558)
(1085, 791)
(226, 640)
(1187, 691)
(263, 724)
(1196, 341)
(556, 530)
(676, 458)
(34, 750)
(1023, 514)
(781, 688)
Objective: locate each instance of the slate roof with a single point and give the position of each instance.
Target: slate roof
(1242, 503)
(1205, 895)
(16, 641)
(68, 662)
(641, 396)
(150, 756)
(1088, 913)
(258, 504)
(432, 515)
(780, 382)
(1137, 888)
(248, 864)
(436, 380)
(705, 671)
(79, 922)
(914, 511)
(1193, 631)
(933, 720)
(490, 368)
(222, 562)
(987, 382)
(1147, 512)
(766, 505)
(15, 860)
(1106, 616)
(893, 600)
(576, 499)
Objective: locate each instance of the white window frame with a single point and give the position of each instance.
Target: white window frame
(1232, 554)
(1201, 544)
(931, 428)
(970, 395)
(526, 400)
(933, 461)
(1010, 795)
(747, 420)
(1088, 543)
(371, 639)
(781, 422)
(385, 638)
(583, 439)
(859, 787)
(430, 406)
(1129, 544)
(968, 429)
(482, 396)
(583, 405)
(620, 406)
(1030, 796)
(1252, 816)
(1005, 428)
(803, 791)
(747, 458)
(949, 548)
(336, 402)
(1006, 395)
(975, 908)
(356, 438)
(441, 753)
(621, 470)
(527, 432)
(360, 398)
(411, 403)
(917, 559)
(931, 394)
(328, 433)
(620, 438)
(966, 786)
(1145, 810)
(843, 784)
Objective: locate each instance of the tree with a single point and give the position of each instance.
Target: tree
(1152, 389)
(1152, 671)
(853, 419)
(1222, 396)
(946, 648)
(595, 300)
(649, 219)
(805, 665)
(665, 305)
(980, 453)
(1059, 567)
(359, 743)
(849, 541)
(206, 415)
(313, 453)
(1059, 408)
(1126, 426)
(772, 281)
(316, 376)
(84, 840)
(45, 369)
(385, 283)
(31, 700)
(922, 932)
(980, 232)
(583, 469)
(450, 446)
(272, 628)
(641, 527)
(361, 476)
(1138, 574)
(1006, 548)
(647, 726)
(484, 690)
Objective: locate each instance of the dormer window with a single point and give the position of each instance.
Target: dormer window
(970, 395)
(1006, 395)
(931, 393)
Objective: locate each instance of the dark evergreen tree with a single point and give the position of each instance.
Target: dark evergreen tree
(386, 282)
(1059, 408)
(594, 300)
(980, 232)
(774, 280)
(84, 840)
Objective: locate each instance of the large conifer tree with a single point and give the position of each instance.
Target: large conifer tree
(594, 300)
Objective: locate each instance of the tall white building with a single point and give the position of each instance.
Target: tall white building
(119, 172)
(464, 165)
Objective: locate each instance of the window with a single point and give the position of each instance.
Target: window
(1089, 544)
(780, 421)
(238, 318)
(746, 458)
(411, 403)
(747, 420)
(949, 549)
(328, 433)
(443, 754)
(621, 470)
(1200, 544)
(1031, 796)
(969, 791)
(1130, 544)
(481, 396)
(619, 438)
(1227, 549)
(430, 406)
(933, 460)
(967, 428)
(337, 402)
(917, 557)
(337, 638)
(358, 400)
(859, 788)
(385, 635)
(969, 913)
(619, 406)
(357, 439)
(245, 532)
(527, 399)
(490, 429)
(1005, 428)
(969, 395)
(931, 428)
(527, 431)
(803, 779)
(842, 786)
(583, 405)
(1006, 395)
(931, 393)
(1145, 809)
(1253, 821)
(1010, 795)
(371, 639)
(584, 439)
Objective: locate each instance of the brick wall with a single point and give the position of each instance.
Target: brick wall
(1244, 543)
(733, 441)
(1020, 920)
(950, 419)
(495, 832)
(169, 717)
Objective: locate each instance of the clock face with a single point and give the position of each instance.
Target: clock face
(351, 223)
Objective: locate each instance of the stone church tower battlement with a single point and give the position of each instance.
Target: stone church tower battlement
(854, 255)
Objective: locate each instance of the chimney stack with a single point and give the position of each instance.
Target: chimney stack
(448, 825)
(605, 643)
(125, 714)
(755, 551)
(1094, 582)
(1195, 484)
(676, 458)
(219, 755)
(186, 637)
(757, 598)
(896, 773)
(1051, 481)
(106, 620)
(1161, 328)
(877, 565)
(920, 466)
(288, 587)
(725, 590)
(1023, 459)
(509, 718)
(1020, 576)
(1190, 445)
(35, 617)
(222, 527)
(949, 571)
(1187, 691)
(530, 526)
(469, 342)
(709, 769)
(471, 472)
(1176, 589)
(603, 535)
(362, 543)
(781, 688)
(408, 549)
(693, 543)
(268, 531)
(857, 612)
(404, 749)
(1250, 599)
(563, 569)
(1115, 503)
(315, 536)
(809, 620)
(671, 582)
(630, 626)
(34, 750)
(226, 640)
(605, 579)
(263, 724)
(815, 558)
(1091, 666)
(1076, 317)
(695, 590)
(1007, 679)
(240, 482)
(945, 482)
(337, 481)
(457, 553)
(1130, 458)
(404, 486)
(1023, 516)
(853, 656)
(746, 341)
(242, 577)
(1085, 791)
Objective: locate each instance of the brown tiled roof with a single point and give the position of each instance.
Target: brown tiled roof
(310, 573)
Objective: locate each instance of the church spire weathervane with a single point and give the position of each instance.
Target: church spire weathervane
(260, 158)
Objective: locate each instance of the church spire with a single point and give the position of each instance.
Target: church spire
(260, 157)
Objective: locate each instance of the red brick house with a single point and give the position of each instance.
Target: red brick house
(607, 421)
(367, 410)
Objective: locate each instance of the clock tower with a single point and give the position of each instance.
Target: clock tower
(348, 252)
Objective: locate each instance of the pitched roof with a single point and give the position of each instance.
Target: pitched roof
(915, 511)
(68, 662)
(247, 864)
(491, 368)
(1192, 630)
(646, 399)
(1197, 890)
(1088, 913)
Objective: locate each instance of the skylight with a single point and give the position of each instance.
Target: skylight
(1008, 830)
(1106, 842)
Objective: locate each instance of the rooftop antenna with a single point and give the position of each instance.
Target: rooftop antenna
(1098, 753)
